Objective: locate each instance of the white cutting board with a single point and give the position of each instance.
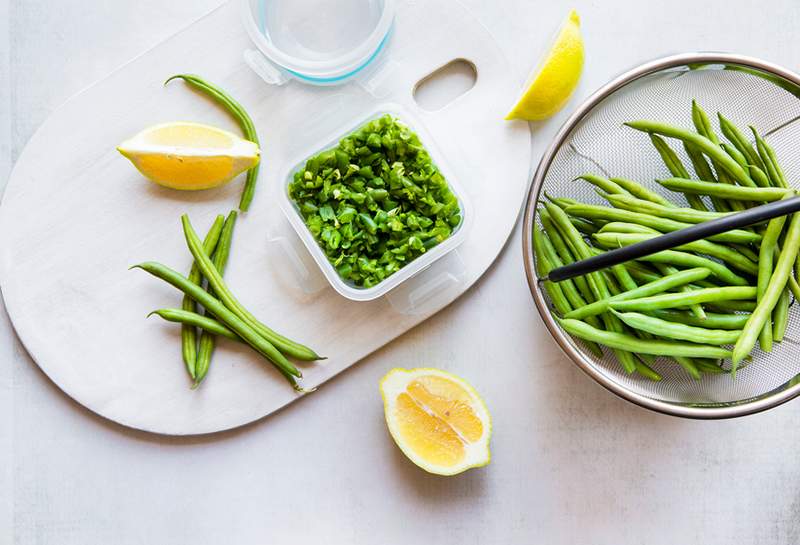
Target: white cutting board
(75, 215)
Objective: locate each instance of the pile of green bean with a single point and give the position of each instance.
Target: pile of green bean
(224, 315)
(698, 304)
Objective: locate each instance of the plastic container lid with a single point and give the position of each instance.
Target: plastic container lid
(319, 41)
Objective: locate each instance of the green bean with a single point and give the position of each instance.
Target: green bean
(603, 183)
(686, 215)
(564, 253)
(242, 118)
(669, 157)
(224, 315)
(725, 191)
(673, 300)
(679, 331)
(664, 225)
(704, 172)
(708, 147)
(595, 280)
(629, 343)
(735, 136)
(689, 366)
(780, 316)
(773, 292)
(188, 332)
(658, 286)
(562, 202)
(222, 291)
(220, 260)
(770, 161)
(665, 269)
(543, 267)
(646, 371)
(746, 252)
(765, 255)
(737, 156)
(712, 319)
(708, 367)
(584, 226)
(194, 319)
(759, 176)
(724, 253)
(637, 190)
(702, 123)
(727, 306)
(624, 227)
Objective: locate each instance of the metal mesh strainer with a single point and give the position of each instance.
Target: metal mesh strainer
(747, 91)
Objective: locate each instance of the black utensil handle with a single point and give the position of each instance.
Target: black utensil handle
(667, 241)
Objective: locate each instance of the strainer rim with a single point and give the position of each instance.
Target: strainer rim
(761, 403)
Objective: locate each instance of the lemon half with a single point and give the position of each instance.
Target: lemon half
(437, 419)
(548, 89)
(189, 156)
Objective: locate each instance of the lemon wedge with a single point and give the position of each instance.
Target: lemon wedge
(437, 419)
(189, 156)
(548, 89)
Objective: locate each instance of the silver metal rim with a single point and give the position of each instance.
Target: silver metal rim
(758, 404)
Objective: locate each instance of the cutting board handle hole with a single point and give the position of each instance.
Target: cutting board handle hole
(445, 84)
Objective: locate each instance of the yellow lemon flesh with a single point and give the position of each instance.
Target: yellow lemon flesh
(549, 88)
(189, 156)
(437, 419)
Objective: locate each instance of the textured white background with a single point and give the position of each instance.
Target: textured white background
(571, 463)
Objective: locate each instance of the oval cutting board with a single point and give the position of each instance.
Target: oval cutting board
(75, 216)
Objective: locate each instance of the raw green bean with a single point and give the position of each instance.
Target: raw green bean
(676, 330)
(712, 319)
(224, 315)
(669, 157)
(220, 260)
(543, 267)
(623, 227)
(780, 316)
(637, 190)
(664, 225)
(708, 367)
(188, 332)
(704, 172)
(725, 191)
(759, 176)
(765, 255)
(770, 161)
(773, 292)
(563, 202)
(603, 183)
(584, 226)
(686, 215)
(595, 280)
(242, 118)
(695, 309)
(708, 147)
(222, 291)
(727, 306)
(689, 366)
(629, 343)
(564, 253)
(658, 286)
(180, 316)
(701, 122)
(735, 136)
(746, 252)
(674, 300)
(724, 253)
(737, 156)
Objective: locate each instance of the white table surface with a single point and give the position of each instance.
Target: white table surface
(571, 463)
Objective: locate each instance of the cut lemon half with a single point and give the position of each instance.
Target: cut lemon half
(437, 419)
(189, 156)
(549, 87)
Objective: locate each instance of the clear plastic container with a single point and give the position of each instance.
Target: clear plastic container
(450, 274)
(322, 42)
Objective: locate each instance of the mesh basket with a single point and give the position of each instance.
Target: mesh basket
(748, 92)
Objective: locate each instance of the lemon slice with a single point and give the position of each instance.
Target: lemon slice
(548, 89)
(189, 156)
(437, 419)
